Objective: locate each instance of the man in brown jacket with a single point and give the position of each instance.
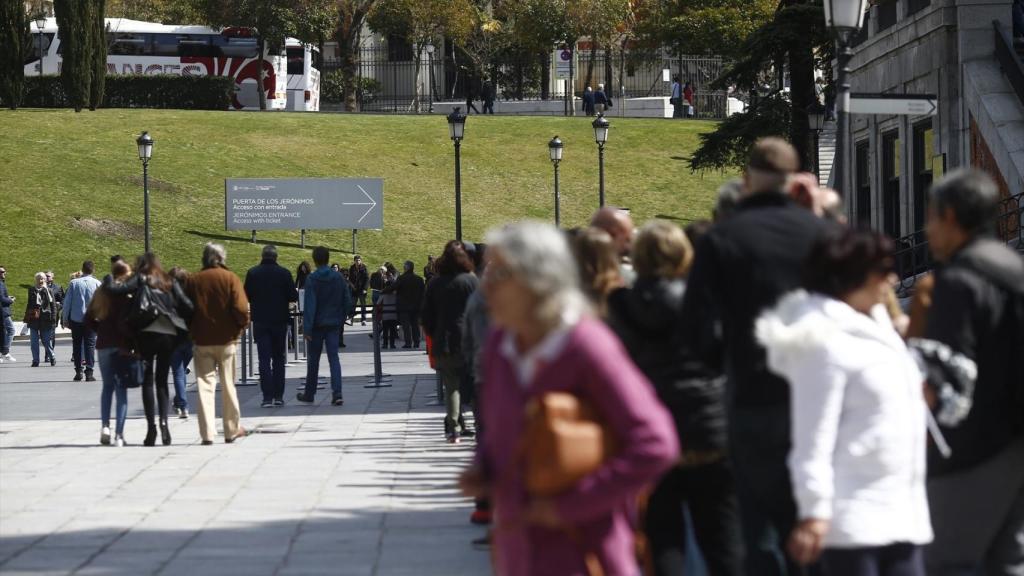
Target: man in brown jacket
(221, 314)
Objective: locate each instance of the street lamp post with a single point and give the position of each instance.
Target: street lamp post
(145, 143)
(456, 129)
(430, 77)
(555, 149)
(600, 125)
(40, 23)
(816, 121)
(844, 18)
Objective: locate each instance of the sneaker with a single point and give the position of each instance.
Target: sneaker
(183, 413)
(119, 441)
(278, 402)
(301, 397)
(9, 358)
(105, 436)
(337, 401)
(267, 404)
(35, 364)
(53, 361)
(453, 438)
(78, 377)
(480, 517)
(467, 433)
(89, 377)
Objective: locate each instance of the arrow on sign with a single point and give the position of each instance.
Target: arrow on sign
(903, 104)
(371, 203)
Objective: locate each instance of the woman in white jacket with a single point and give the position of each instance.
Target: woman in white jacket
(858, 414)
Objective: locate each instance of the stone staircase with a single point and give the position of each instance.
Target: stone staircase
(826, 152)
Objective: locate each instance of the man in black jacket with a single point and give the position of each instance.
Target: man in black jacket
(742, 266)
(358, 277)
(976, 495)
(270, 290)
(409, 288)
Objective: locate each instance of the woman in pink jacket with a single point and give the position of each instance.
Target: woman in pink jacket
(547, 340)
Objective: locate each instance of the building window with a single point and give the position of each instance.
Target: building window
(891, 184)
(863, 184)
(886, 14)
(924, 151)
(915, 6)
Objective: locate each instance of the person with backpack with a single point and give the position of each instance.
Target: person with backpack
(158, 316)
(976, 494)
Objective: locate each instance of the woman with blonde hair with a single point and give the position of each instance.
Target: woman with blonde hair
(647, 318)
(41, 317)
(598, 266)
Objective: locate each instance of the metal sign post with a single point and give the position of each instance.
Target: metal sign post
(379, 379)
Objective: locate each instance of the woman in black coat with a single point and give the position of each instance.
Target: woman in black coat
(41, 317)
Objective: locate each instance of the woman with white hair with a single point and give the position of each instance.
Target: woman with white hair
(41, 317)
(547, 340)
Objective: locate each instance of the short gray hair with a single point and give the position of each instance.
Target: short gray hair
(270, 251)
(729, 194)
(539, 255)
(40, 276)
(214, 255)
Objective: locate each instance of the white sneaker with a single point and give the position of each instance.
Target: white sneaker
(119, 441)
(9, 358)
(105, 436)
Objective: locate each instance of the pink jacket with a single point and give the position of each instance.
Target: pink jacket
(593, 365)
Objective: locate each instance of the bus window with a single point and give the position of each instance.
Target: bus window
(129, 44)
(165, 45)
(231, 47)
(195, 45)
(296, 56)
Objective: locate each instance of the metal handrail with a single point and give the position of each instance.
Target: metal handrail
(913, 258)
(1008, 59)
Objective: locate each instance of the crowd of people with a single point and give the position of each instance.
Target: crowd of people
(745, 395)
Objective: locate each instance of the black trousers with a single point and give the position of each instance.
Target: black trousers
(410, 320)
(709, 491)
(893, 560)
(156, 350)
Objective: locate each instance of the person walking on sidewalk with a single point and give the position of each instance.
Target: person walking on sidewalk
(271, 290)
(326, 305)
(120, 368)
(221, 315)
(83, 339)
(409, 288)
(58, 296)
(444, 309)
(6, 323)
(977, 493)
(359, 277)
(742, 267)
(41, 318)
(180, 358)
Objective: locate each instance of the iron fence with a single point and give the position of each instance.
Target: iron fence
(392, 81)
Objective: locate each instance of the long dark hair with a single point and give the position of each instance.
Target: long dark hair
(148, 265)
(454, 260)
(841, 260)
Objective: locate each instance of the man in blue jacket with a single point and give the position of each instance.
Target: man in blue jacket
(327, 303)
(6, 324)
(270, 289)
(83, 339)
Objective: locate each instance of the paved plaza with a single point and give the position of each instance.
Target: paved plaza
(363, 489)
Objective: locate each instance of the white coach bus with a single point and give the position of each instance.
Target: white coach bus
(136, 47)
(303, 77)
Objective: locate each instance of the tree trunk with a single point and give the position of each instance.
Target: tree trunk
(590, 64)
(801, 94)
(261, 83)
(75, 71)
(347, 36)
(13, 32)
(418, 88)
(98, 65)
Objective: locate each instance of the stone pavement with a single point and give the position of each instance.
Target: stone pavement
(363, 489)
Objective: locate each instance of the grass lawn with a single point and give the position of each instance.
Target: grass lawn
(71, 184)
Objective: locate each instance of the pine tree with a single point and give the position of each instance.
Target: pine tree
(98, 45)
(14, 43)
(75, 37)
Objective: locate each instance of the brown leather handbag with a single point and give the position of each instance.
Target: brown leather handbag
(564, 440)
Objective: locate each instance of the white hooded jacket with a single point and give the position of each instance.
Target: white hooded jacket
(858, 420)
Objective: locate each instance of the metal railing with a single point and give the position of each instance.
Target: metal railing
(1008, 59)
(913, 257)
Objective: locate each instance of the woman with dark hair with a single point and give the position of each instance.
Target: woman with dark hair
(114, 351)
(443, 316)
(300, 275)
(158, 339)
(858, 413)
(181, 358)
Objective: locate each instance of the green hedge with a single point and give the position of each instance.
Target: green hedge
(130, 91)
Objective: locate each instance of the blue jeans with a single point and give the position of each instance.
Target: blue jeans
(83, 341)
(271, 348)
(318, 338)
(110, 387)
(44, 333)
(8, 336)
(179, 361)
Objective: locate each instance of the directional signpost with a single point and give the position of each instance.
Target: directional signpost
(303, 203)
(900, 104)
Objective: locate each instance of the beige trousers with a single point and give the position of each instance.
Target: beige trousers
(211, 362)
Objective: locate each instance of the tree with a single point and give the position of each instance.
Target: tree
(794, 39)
(423, 22)
(163, 11)
(98, 45)
(15, 44)
(352, 15)
(76, 48)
